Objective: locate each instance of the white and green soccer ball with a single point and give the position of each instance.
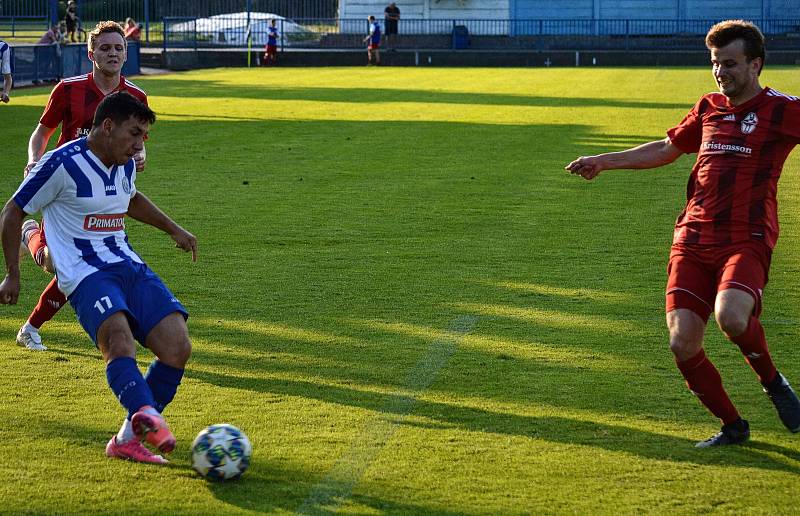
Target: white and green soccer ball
(221, 452)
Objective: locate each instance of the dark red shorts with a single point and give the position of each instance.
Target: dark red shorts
(373, 46)
(696, 273)
(271, 50)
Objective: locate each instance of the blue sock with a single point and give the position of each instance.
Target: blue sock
(163, 381)
(128, 384)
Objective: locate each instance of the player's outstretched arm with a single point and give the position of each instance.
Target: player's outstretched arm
(649, 155)
(10, 227)
(144, 210)
(37, 145)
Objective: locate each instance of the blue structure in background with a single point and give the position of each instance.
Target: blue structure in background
(43, 63)
(645, 17)
(654, 9)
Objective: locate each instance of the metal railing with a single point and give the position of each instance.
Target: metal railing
(15, 26)
(24, 8)
(226, 30)
(238, 31)
(44, 63)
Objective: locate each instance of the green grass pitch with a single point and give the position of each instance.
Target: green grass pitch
(408, 305)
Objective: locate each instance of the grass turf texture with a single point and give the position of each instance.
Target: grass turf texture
(346, 218)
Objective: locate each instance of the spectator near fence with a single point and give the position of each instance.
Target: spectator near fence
(5, 68)
(55, 35)
(71, 20)
(391, 17)
(133, 30)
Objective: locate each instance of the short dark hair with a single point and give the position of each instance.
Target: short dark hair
(120, 106)
(726, 32)
(371, 17)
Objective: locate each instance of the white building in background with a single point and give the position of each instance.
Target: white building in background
(420, 16)
(428, 9)
(577, 9)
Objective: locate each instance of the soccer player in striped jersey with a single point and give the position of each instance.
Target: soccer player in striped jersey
(373, 41)
(72, 105)
(85, 188)
(5, 69)
(271, 50)
(724, 238)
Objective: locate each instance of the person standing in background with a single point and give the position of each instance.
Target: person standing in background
(5, 69)
(373, 41)
(391, 17)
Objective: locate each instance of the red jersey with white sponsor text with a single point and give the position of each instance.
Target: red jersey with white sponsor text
(73, 102)
(732, 191)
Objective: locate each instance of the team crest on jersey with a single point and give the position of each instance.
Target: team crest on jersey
(749, 123)
(126, 185)
(105, 222)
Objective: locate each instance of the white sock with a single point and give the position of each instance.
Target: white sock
(28, 327)
(151, 410)
(125, 433)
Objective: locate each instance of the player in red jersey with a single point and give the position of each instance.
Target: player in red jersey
(72, 105)
(724, 238)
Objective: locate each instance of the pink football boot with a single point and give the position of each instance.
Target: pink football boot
(151, 427)
(133, 450)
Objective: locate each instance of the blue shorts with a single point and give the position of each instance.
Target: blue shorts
(128, 287)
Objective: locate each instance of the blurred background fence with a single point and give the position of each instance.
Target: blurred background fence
(33, 64)
(234, 30)
(316, 23)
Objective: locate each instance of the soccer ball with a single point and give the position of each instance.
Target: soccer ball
(221, 452)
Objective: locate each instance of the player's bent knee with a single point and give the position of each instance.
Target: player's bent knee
(181, 353)
(686, 331)
(114, 338)
(682, 348)
(47, 262)
(175, 354)
(169, 341)
(731, 322)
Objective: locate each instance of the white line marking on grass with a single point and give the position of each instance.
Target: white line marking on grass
(329, 494)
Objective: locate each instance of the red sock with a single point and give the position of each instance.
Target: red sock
(36, 246)
(50, 302)
(704, 381)
(753, 344)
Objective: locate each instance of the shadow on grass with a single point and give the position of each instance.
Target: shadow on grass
(199, 89)
(266, 486)
(552, 428)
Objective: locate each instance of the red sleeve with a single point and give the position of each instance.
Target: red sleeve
(791, 121)
(54, 111)
(133, 89)
(688, 135)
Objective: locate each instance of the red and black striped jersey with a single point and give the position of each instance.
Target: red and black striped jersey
(732, 191)
(73, 102)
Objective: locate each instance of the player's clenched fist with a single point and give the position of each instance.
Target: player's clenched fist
(9, 290)
(586, 166)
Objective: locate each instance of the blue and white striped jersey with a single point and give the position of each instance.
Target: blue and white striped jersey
(5, 58)
(84, 204)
